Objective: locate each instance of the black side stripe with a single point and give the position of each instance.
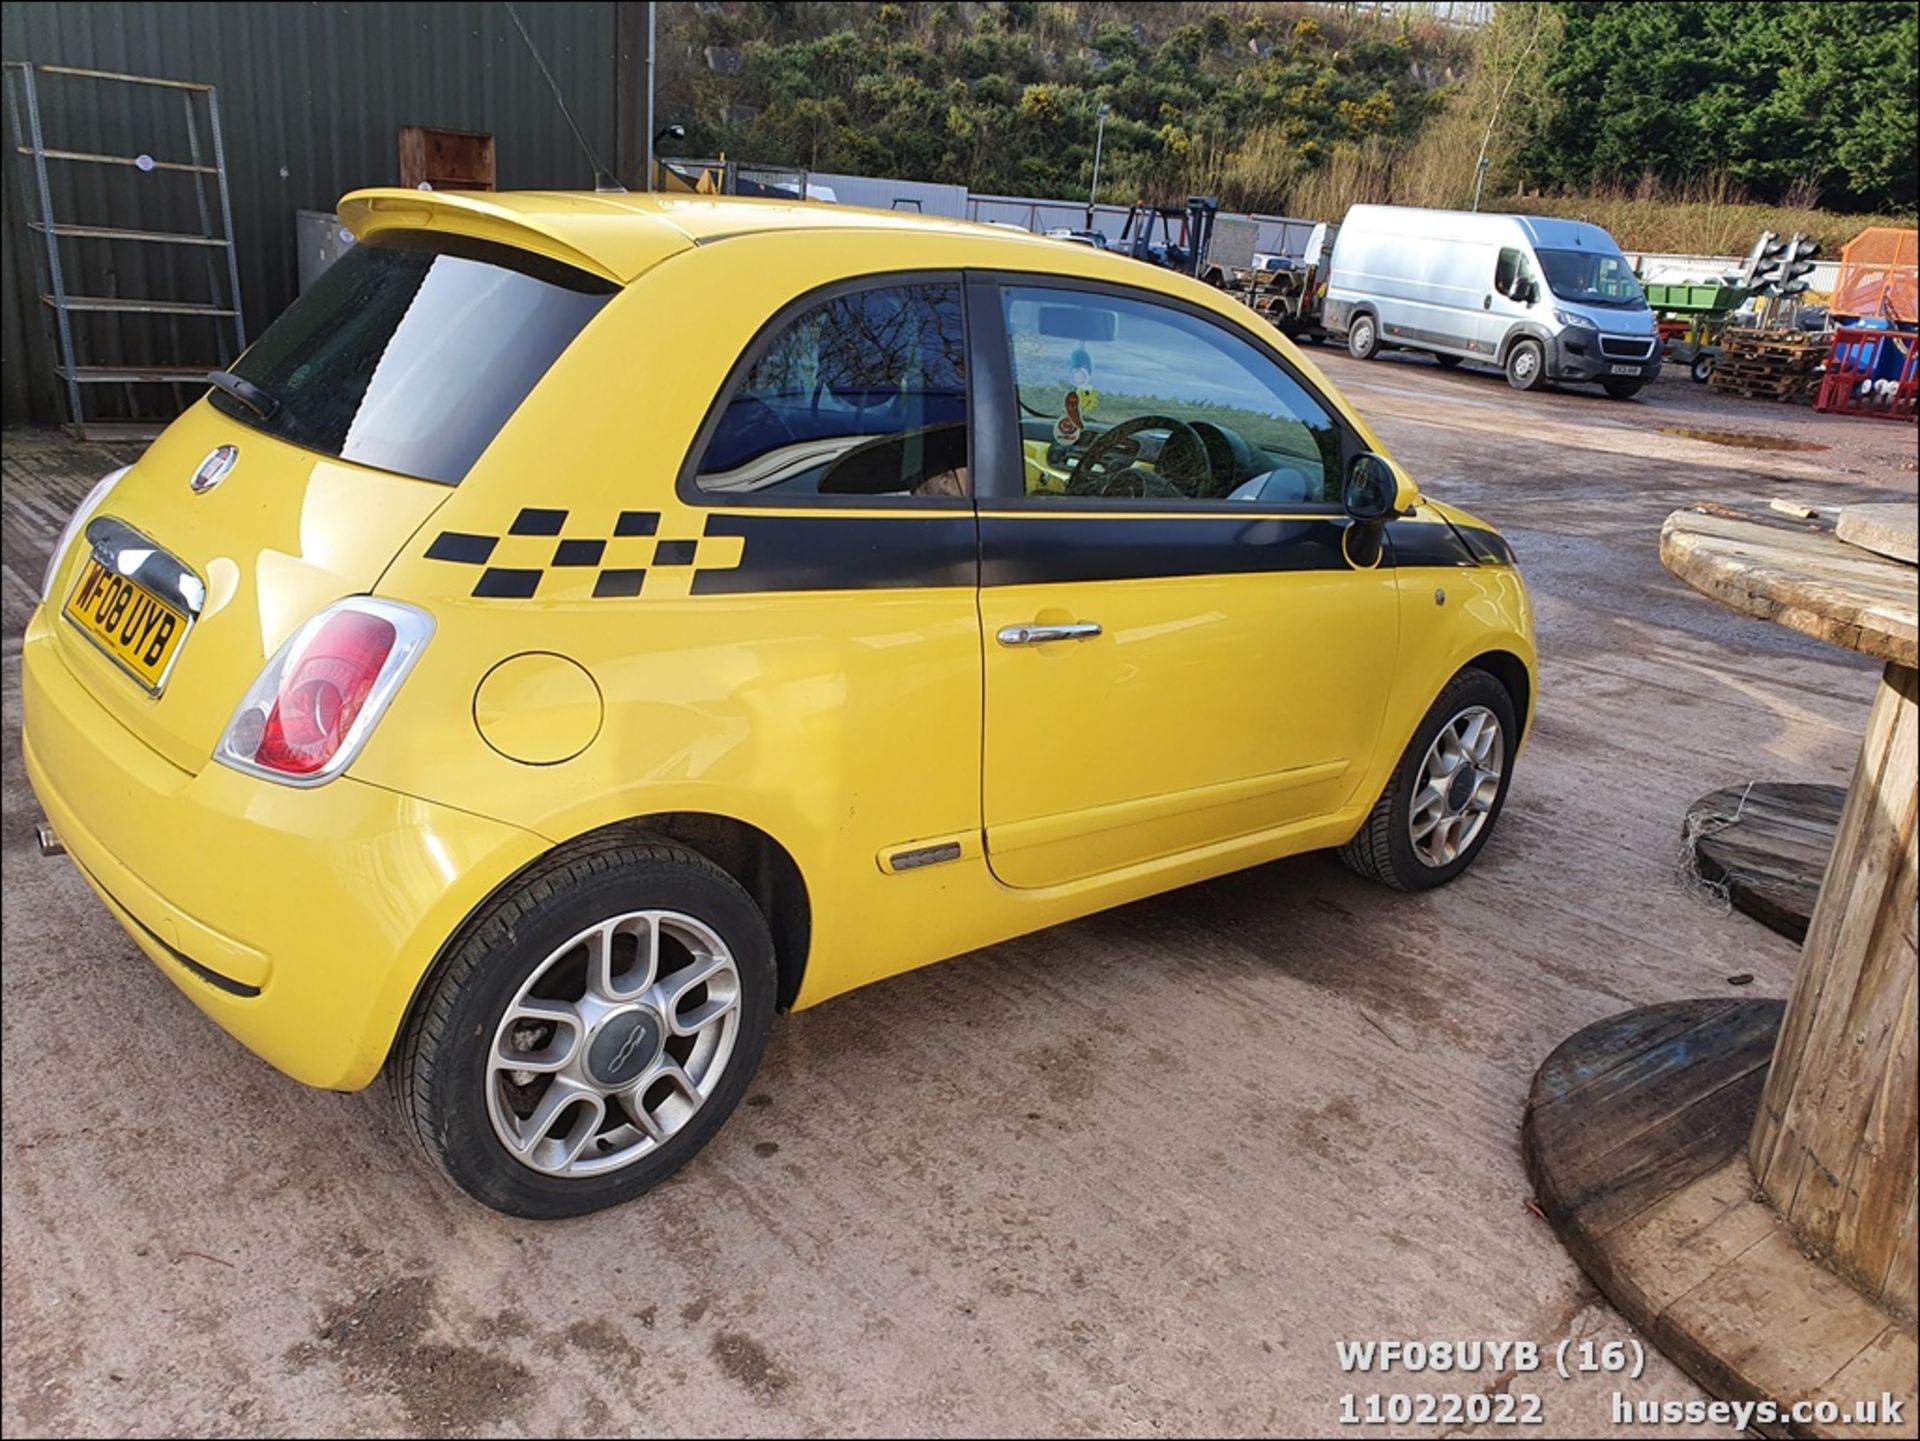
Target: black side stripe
(936, 550)
(1419, 543)
(1490, 547)
(827, 552)
(1022, 550)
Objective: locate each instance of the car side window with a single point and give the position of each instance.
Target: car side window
(1512, 269)
(863, 393)
(1126, 399)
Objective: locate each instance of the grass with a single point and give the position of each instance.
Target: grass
(1700, 227)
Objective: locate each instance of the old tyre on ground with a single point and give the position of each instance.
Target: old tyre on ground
(1623, 389)
(1363, 338)
(1442, 800)
(590, 1030)
(1701, 369)
(1526, 365)
(1447, 362)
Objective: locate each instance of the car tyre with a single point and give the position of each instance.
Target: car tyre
(450, 1083)
(1702, 369)
(1385, 848)
(1526, 365)
(1622, 389)
(1363, 338)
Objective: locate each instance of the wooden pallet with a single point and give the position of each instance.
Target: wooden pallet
(1775, 365)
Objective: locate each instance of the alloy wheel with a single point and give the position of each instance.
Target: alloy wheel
(1459, 783)
(613, 1043)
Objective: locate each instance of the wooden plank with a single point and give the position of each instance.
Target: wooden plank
(1885, 1366)
(1691, 1233)
(1889, 530)
(1607, 1045)
(1616, 1187)
(1660, 1081)
(1785, 1326)
(1800, 577)
(1834, 1146)
(1768, 844)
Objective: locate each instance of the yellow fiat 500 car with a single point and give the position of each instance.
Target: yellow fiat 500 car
(583, 626)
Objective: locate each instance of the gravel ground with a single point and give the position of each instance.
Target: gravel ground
(1136, 1174)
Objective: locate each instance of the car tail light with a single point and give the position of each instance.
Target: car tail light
(313, 707)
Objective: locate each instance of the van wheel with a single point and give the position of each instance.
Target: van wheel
(1363, 341)
(1447, 362)
(1526, 365)
(1441, 802)
(591, 1031)
(1623, 389)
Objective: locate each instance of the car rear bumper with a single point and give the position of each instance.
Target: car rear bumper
(300, 920)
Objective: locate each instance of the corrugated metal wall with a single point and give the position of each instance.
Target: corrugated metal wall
(312, 97)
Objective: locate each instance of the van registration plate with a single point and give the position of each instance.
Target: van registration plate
(136, 629)
(1626, 370)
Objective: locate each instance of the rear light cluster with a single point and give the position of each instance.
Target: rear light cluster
(313, 707)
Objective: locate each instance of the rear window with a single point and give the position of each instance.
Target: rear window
(411, 351)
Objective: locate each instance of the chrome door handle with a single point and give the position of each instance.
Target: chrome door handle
(1036, 634)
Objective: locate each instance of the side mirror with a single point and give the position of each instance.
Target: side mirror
(1375, 490)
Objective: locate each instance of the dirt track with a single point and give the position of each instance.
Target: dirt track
(1137, 1174)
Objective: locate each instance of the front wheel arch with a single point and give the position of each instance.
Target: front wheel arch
(1512, 673)
(1518, 333)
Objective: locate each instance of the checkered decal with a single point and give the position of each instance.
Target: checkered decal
(539, 557)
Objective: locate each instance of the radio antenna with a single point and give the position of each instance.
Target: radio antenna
(603, 180)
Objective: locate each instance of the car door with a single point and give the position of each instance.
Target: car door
(1500, 311)
(1178, 652)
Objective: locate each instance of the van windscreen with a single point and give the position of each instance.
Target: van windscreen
(411, 351)
(1587, 278)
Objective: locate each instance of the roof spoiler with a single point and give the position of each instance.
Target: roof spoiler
(644, 242)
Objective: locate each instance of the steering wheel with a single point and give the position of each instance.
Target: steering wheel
(1106, 466)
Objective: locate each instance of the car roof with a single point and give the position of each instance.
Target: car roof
(1542, 231)
(617, 236)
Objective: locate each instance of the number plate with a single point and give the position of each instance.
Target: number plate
(1626, 370)
(141, 632)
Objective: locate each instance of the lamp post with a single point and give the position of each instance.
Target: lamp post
(1093, 191)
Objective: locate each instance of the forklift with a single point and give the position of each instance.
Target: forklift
(1183, 251)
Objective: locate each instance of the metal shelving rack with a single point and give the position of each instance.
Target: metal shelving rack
(22, 77)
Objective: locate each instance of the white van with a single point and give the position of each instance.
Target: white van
(1543, 299)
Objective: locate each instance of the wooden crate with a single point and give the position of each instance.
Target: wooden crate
(445, 159)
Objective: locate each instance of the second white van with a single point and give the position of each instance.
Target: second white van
(1545, 300)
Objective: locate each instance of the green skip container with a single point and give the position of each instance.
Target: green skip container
(1694, 297)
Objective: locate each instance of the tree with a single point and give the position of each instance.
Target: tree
(1775, 95)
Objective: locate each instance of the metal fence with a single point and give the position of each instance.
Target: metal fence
(1651, 266)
